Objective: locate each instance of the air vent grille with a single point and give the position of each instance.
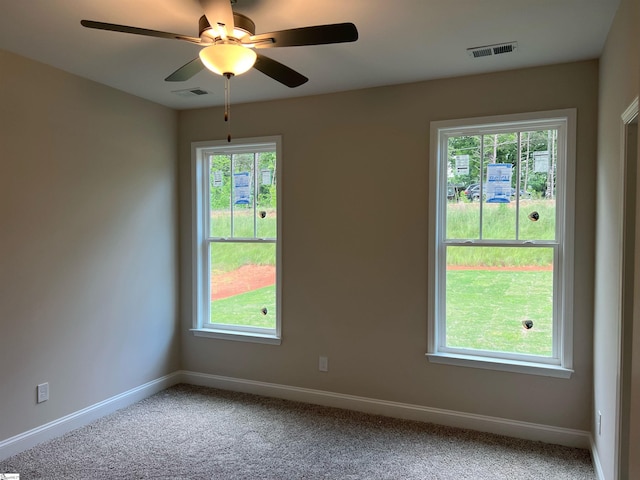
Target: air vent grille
(503, 49)
(190, 92)
(482, 52)
(491, 50)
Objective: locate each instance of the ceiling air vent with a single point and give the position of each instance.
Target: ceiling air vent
(191, 92)
(490, 50)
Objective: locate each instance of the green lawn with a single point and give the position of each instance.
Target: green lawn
(485, 310)
(246, 309)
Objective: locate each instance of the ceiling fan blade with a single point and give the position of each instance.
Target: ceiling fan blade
(279, 72)
(186, 71)
(137, 31)
(316, 35)
(219, 12)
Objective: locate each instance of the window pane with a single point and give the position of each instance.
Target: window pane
(538, 219)
(500, 163)
(267, 195)
(463, 180)
(538, 185)
(500, 299)
(243, 183)
(220, 195)
(243, 279)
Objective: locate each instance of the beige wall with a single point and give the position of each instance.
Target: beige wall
(88, 243)
(618, 87)
(355, 179)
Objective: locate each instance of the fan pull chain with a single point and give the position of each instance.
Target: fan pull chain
(227, 103)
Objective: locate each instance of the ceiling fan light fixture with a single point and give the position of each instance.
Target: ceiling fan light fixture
(228, 58)
(239, 33)
(243, 27)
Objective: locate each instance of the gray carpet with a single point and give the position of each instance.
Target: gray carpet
(188, 432)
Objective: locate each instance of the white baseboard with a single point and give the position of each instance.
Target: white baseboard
(31, 438)
(500, 426)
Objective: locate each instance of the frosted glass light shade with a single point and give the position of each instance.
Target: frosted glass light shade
(223, 58)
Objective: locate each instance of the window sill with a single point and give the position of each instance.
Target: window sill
(237, 336)
(486, 363)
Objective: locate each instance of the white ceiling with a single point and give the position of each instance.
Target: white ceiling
(400, 41)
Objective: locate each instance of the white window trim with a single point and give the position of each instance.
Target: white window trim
(200, 257)
(562, 366)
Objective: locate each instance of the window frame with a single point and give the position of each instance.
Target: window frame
(560, 364)
(201, 240)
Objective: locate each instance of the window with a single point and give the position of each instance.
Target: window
(236, 248)
(501, 242)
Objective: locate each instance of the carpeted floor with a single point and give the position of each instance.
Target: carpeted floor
(188, 432)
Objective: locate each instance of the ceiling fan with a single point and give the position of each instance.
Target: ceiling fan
(229, 41)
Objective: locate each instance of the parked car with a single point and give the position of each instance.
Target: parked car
(523, 193)
(472, 192)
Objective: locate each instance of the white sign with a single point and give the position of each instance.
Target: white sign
(462, 164)
(498, 188)
(541, 161)
(266, 176)
(241, 188)
(217, 178)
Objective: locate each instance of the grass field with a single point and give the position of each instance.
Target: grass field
(486, 308)
(499, 221)
(246, 309)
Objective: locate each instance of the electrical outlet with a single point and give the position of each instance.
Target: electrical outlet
(599, 421)
(323, 364)
(43, 392)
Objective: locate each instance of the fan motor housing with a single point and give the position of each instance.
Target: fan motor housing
(241, 22)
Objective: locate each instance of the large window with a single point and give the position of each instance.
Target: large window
(501, 233)
(236, 229)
